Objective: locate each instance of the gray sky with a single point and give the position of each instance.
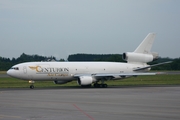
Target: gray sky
(63, 27)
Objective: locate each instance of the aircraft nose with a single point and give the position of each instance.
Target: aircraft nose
(11, 73)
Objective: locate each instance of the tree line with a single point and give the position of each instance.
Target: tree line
(175, 65)
(96, 57)
(6, 63)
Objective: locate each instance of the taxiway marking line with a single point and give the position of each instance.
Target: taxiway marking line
(82, 111)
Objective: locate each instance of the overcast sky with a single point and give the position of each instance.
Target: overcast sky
(63, 27)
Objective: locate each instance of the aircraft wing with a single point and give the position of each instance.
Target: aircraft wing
(123, 74)
(113, 75)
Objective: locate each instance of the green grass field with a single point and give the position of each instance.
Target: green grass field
(9, 82)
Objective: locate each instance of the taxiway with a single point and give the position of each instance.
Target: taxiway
(125, 103)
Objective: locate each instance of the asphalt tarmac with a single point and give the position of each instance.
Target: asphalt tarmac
(119, 103)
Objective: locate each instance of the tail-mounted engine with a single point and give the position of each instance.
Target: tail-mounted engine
(139, 57)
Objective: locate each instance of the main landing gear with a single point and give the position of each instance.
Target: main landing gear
(102, 85)
(32, 84)
(96, 85)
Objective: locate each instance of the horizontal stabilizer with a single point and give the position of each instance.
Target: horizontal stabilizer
(143, 68)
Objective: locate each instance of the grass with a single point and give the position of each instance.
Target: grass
(2, 72)
(150, 80)
(8, 82)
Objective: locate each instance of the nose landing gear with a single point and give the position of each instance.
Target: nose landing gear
(32, 84)
(31, 87)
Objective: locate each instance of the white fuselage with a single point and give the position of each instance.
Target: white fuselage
(67, 70)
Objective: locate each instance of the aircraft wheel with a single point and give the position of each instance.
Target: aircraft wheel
(86, 86)
(104, 85)
(96, 85)
(31, 86)
(100, 85)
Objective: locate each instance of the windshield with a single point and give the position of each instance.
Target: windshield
(15, 68)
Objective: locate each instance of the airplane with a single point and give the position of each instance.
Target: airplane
(88, 73)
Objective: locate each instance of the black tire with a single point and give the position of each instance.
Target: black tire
(101, 85)
(86, 86)
(31, 86)
(96, 85)
(104, 85)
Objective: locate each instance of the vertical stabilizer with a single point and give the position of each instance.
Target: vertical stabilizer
(146, 45)
(142, 54)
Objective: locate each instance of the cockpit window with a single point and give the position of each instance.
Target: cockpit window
(15, 68)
